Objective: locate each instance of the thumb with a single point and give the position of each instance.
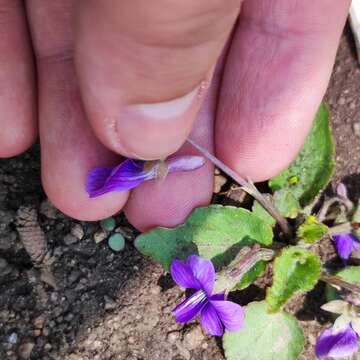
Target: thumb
(143, 68)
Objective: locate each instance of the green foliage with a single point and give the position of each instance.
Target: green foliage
(311, 231)
(295, 270)
(265, 336)
(214, 232)
(255, 272)
(287, 203)
(310, 172)
(116, 242)
(350, 274)
(260, 212)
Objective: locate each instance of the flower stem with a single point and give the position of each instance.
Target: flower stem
(343, 228)
(249, 187)
(339, 282)
(245, 260)
(328, 203)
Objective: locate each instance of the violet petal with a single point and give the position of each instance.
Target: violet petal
(210, 321)
(183, 275)
(203, 271)
(220, 296)
(344, 245)
(185, 163)
(231, 314)
(190, 307)
(125, 176)
(337, 344)
(96, 179)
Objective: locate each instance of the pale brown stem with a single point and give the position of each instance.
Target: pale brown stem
(249, 187)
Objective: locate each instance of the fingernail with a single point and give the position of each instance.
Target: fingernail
(168, 109)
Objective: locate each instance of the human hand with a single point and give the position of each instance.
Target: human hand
(97, 59)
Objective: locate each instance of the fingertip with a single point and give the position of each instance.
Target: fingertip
(17, 139)
(75, 202)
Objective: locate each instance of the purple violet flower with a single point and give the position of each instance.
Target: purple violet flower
(131, 173)
(345, 244)
(215, 312)
(337, 343)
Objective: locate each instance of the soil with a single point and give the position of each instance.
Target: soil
(117, 305)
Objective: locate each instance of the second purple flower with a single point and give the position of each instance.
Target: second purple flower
(215, 312)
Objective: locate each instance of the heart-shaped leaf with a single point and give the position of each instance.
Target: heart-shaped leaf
(265, 336)
(295, 270)
(214, 232)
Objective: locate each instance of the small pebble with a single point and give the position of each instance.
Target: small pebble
(356, 128)
(47, 209)
(219, 182)
(110, 304)
(39, 322)
(70, 239)
(37, 332)
(13, 338)
(25, 350)
(99, 236)
(108, 224)
(342, 101)
(117, 242)
(5, 269)
(77, 231)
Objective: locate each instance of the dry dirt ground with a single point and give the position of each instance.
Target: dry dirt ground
(111, 305)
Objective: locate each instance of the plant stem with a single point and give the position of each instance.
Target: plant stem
(245, 260)
(328, 203)
(340, 229)
(249, 187)
(339, 282)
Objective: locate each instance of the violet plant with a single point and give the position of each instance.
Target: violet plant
(220, 249)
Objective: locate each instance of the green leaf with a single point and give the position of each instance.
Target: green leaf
(260, 212)
(311, 231)
(214, 232)
(255, 272)
(350, 274)
(295, 270)
(287, 203)
(310, 172)
(265, 336)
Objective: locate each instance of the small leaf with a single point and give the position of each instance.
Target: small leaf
(255, 272)
(265, 336)
(108, 224)
(311, 231)
(214, 232)
(350, 274)
(336, 306)
(260, 212)
(116, 242)
(310, 172)
(295, 270)
(286, 203)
